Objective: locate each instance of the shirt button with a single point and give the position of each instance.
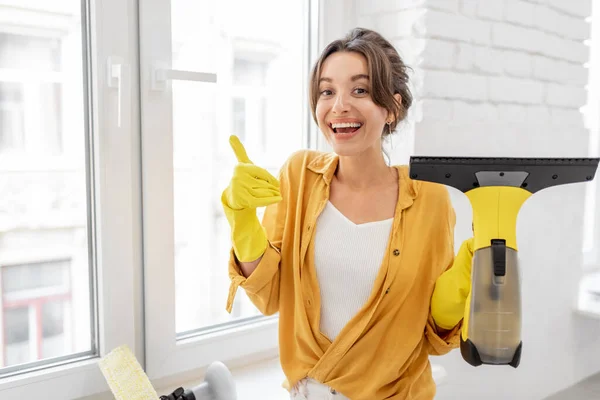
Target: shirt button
(387, 290)
(332, 391)
(396, 252)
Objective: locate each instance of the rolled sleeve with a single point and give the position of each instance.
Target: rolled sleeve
(438, 346)
(262, 286)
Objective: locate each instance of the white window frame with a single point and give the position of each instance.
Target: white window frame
(592, 120)
(587, 300)
(115, 192)
(166, 356)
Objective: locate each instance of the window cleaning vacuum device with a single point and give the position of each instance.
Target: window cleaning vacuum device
(496, 189)
(128, 381)
(218, 385)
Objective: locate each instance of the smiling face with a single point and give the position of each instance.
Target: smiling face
(346, 114)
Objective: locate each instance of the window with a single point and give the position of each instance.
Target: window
(261, 65)
(68, 210)
(249, 101)
(84, 268)
(12, 117)
(44, 210)
(238, 117)
(589, 291)
(37, 306)
(31, 92)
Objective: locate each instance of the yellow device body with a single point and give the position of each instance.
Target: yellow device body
(491, 329)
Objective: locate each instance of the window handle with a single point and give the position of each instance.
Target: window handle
(161, 74)
(118, 78)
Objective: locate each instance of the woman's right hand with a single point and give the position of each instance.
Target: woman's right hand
(251, 186)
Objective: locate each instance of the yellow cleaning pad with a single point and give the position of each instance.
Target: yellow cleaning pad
(125, 376)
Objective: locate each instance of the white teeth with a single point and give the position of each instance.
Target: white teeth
(346, 125)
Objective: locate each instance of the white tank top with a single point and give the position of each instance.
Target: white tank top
(347, 260)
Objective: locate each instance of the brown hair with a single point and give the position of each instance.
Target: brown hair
(387, 73)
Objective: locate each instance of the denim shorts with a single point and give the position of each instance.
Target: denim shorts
(310, 389)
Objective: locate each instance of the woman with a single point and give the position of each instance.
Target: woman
(350, 249)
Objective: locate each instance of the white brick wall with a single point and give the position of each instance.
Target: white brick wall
(489, 59)
(505, 78)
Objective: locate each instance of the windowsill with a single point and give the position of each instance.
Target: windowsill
(259, 380)
(588, 296)
(68, 380)
(588, 305)
(587, 313)
(263, 380)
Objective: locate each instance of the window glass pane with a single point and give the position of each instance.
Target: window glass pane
(29, 52)
(238, 118)
(16, 325)
(12, 118)
(589, 291)
(259, 61)
(45, 307)
(16, 333)
(53, 328)
(249, 72)
(17, 278)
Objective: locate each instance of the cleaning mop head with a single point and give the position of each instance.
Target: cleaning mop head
(125, 376)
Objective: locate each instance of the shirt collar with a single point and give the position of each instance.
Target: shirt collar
(325, 164)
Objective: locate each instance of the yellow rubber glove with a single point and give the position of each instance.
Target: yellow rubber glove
(250, 187)
(452, 289)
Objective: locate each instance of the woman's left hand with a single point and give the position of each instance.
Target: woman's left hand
(452, 289)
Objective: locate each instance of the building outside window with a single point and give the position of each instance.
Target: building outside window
(44, 264)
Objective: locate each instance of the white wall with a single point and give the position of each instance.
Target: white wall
(510, 73)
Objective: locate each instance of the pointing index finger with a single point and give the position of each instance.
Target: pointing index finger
(239, 150)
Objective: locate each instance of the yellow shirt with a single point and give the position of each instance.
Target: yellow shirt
(383, 351)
